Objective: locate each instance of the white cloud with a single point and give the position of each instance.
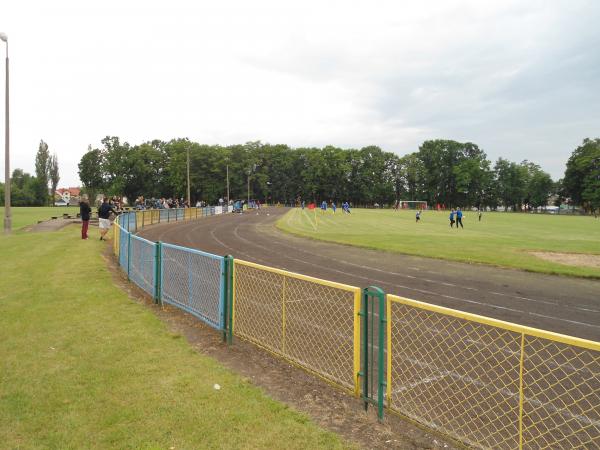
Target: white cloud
(521, 79)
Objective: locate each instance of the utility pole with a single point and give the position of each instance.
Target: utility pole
(188, 177)
(227, 184)
(7, 212)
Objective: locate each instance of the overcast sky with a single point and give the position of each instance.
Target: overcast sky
(519, 78)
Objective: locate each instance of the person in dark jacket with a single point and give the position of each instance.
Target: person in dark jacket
(104, 217)
(84, 212)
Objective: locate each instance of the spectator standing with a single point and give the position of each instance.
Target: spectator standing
(104, 217)
(84, 213)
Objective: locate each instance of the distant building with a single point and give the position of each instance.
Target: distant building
(67, 196)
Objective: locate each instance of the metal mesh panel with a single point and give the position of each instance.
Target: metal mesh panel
(123, 248)
(311, 322)
(164, 215)
(561, 395)
(193, 281)
(127, 221)
(490, 383)
(142, 267)
(456, 376)
(179, 214)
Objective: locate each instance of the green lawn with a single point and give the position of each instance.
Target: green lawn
(84, 366)
(502, 239)
(23, 216)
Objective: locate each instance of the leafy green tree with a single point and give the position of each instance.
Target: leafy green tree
(42, 165)
(582, 176)
(511, 183)
(410, 178)
(24, 189)
(539, 185)
(91, 172)
(53, 174)
(455, 173)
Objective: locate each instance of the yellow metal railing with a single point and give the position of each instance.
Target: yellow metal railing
(116, 236)
(311, 322)
(490, 383)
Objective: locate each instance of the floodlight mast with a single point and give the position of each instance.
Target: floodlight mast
(7, 212)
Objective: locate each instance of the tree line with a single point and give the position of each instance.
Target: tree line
(29, 190)
(442, 172)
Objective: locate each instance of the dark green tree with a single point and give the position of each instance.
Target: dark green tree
(91, 172)
(53, 174)
(42, 166)
(582, 176)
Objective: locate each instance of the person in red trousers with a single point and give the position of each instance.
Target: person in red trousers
(84, 212)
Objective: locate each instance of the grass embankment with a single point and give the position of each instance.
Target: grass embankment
(83, 366)
(25, 215)
(502, 239)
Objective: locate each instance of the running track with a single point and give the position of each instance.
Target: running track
(560, 304)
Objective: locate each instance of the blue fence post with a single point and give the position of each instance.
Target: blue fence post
(157, 273)
(128, 254)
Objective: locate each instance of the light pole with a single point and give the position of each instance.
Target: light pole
(188, 177)
(251, 170)
(227, 184)
(7, 214)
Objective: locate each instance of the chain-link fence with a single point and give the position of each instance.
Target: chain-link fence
(124, 249)
(311, 322)
(142, 263)
(487, 383)
(194, 281)
(490, 383)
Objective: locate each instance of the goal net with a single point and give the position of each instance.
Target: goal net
(410, 204)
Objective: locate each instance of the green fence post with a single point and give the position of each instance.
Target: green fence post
(225, 275)
(368, 350)
(380, 358)
(158, 271)
(365, 315)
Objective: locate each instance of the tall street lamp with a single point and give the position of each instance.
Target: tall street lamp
(7, 214)
(188, 177)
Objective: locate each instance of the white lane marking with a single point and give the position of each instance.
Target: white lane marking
(488, 305)
(525, 298)
(422, 291)
(504, 391)
(553, 303)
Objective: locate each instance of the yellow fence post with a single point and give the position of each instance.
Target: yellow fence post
(521, 394)
(388, 333)
(283, 316)
(357, 298)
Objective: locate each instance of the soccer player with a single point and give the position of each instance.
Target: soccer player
(459, 215)
(324, 206)
(418, 216)
(333, 206)
(452, 218)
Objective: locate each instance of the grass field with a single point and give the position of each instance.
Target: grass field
(502, 239)
(84, 366)
(23, 216)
